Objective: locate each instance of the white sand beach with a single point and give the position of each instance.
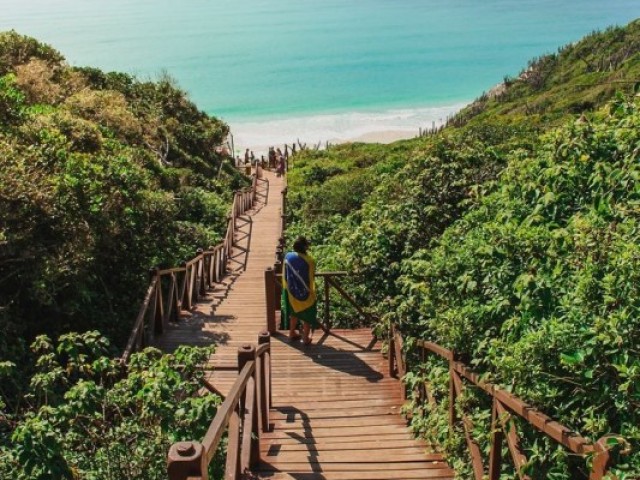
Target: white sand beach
(369, 127)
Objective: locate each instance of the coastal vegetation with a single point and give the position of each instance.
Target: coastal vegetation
(511, 237)
(84, 417)
(102, 176)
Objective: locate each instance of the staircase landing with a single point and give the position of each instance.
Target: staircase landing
(337, 415)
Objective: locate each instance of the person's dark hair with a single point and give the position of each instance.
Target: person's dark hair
(301, 245)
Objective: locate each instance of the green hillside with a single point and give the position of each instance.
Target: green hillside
(511, 236)
(102, 176)
(579, 78)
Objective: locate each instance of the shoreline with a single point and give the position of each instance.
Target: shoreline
(382, 126)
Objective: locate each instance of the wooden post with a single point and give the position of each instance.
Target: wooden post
(400, 363)
(497, 437)
(212, 267)
(231, 225)
(601, 460)
(238, 209)
(452, 398)
(277, 267)
(184, 291)
(176, 297)
(186, 460)
(246, 354)
(327, 300)
(391, 353)
(284, 203)
(199, 287)
(221, 264)
(158, 311)
(265, 381)
(270, 293)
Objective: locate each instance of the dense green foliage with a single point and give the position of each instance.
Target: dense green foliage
(83, 417)
(504, 237)
(508, 239)
(102, 177)
(538, 285)
(422, 187)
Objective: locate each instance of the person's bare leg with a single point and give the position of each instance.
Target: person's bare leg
(306, 331)
(293, 323)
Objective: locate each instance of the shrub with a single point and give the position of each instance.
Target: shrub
(85, 418)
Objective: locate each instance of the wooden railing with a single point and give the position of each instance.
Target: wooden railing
(273, 290)
(504, 407)
(273, 279)
(172, 291)
(244, 415)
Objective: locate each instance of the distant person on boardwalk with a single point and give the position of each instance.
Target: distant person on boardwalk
(281, 166)
(299, 292)
(253, 158)
(272, 158)
(247, 157)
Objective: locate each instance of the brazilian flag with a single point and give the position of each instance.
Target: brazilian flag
(299, 290)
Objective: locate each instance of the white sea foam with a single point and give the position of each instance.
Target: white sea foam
(380, 126)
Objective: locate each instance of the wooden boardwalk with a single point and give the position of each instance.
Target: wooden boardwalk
(337, 415)
(336, 411)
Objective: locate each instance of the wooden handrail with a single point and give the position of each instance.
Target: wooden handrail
(273, 285)
(136, 339)
(244, 414)
(173, 290)
(505, 405)
(273, 279)
(170, 270)
(216, 429)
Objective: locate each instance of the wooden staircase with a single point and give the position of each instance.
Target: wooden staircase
(330, 410)
(335, 411)
(336, 415)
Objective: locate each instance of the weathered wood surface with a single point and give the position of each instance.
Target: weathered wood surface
(336, 411)
(337, 415)
(234, 313)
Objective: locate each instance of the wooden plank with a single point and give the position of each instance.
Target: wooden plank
(358, 456)
(283, 414)
(398, 443)
(387, 438)
(305, 467)
(366, 475)
(344, 404)
(336, 432)
(373, 421)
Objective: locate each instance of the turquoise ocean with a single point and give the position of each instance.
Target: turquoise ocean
(277, 70)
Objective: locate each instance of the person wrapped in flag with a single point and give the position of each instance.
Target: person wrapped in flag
(299, 292)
